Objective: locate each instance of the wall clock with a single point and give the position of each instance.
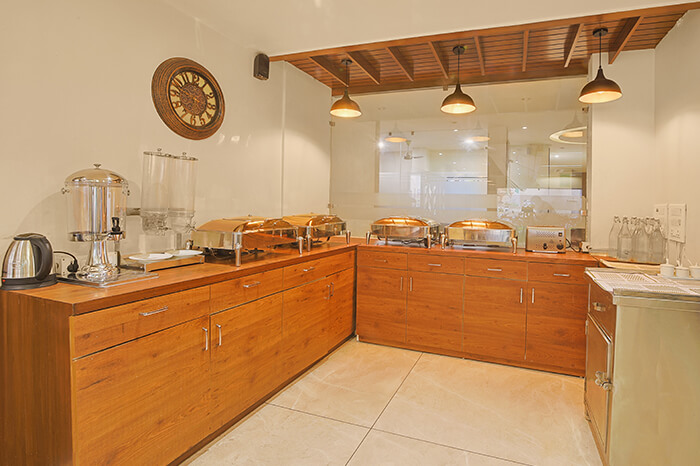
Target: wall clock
(187, 98)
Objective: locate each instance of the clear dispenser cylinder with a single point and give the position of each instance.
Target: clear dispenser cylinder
(155, 192)
(183, 179)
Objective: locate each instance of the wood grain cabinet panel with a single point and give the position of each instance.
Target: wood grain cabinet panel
(436, 263)
(556, 273)
(381, 305)
(245, 349)
(241, 290)
(341, 307)
(434, 311)
(305, 272)
(382, 259)
(556, 326)
(143, 402)
(496, 268)
(495, 318)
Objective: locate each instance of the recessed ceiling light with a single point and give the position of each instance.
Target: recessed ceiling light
(439, 153)
(556, 156)
(524, 127)
(380, 144)
(455, 130)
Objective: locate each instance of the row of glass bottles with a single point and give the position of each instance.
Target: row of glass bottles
(640, 240)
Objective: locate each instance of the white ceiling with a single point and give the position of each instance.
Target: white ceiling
(285, 26)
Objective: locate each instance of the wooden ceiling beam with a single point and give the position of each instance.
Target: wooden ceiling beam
(526, 40)
(616, 45)
(364, 64)
(480, 55)
(444, 67)
(331, 68)
(572, 42)
(401, 61)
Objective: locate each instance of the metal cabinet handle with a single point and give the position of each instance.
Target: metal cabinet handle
(521, 295)
(598, 307)
(435, 265)
(328, 296)
(401, 284)
(410, 284)
(251, 285)
(533, 296)
(157, 311)
(332, 289)
(380, 260)
(602, 381)
(219, 327)
(561, 274)
(309, 269)
(206, 338)
(495, 270)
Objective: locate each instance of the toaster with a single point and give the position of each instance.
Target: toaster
(545, 239)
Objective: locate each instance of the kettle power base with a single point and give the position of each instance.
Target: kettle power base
(121, 278)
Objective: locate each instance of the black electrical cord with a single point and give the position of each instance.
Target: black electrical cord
(73, 266)
(571, 246)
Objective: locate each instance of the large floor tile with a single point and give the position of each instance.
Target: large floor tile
(381, 448)
(275, 435)
(353, 385)
(518, 414)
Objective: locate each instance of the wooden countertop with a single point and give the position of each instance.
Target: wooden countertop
(84, 299)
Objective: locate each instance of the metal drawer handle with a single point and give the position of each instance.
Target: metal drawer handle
(219, 327)
(332, 289)
(309, 269)
(598, 307)
(435, 265)
(561, 274)
(533, 296)
(521, 295)
(495, 270)
(380, 260)
(410, 284)
(157, 311)
(206, 338)
(602, 381)
(251, 285)
(401, 284)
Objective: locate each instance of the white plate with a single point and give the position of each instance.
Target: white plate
(184, 252)
(151, 257)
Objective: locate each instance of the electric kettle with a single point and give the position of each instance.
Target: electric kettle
(28, 263)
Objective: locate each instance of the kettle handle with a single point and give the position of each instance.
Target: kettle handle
(45, 256)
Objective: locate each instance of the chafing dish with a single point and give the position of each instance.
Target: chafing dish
(315, 227)
(244, 234)
(480, 234)
(405, 230)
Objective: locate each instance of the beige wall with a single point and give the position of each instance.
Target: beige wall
(76, 81)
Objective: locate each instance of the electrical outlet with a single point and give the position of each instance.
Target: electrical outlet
(661, 213)
(676, 222)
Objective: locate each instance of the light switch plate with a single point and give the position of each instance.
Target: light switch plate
(676, 222)
(661, 213)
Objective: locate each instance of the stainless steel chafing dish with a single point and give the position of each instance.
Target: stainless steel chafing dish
(314, 227)
(406, 230)
(481, 233)
(244, 234)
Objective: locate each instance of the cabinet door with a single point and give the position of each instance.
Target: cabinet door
(304, 326)
(494, 318)
(381, 305)
(341, 307)
(556, 326)
(145, 401)
(245, 344)
(434, 311)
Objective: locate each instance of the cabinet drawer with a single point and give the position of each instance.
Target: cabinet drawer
(245, 289)
(109, 327)
(304, 272)
(384, 259)
(558, 273)
(435, 263)
(513, 270)
(602, 309)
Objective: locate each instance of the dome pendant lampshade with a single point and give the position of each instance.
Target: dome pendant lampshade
(601, 89)
(345, 107)
(458, 102)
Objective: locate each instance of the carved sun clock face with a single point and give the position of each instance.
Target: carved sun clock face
(187, 98)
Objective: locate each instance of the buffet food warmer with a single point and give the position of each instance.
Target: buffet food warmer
(480, 234)
(244, 234)
(316, 227)
(406, 230)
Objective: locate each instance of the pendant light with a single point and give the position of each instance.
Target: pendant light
(395, 135)
(573, 133)
(345, 107)
(458, 102)
(601, 89)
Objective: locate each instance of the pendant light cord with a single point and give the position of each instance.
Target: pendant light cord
(600, 50)
(458, 55)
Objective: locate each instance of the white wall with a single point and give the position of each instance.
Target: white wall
(677, 90)
(625, 177)
(76, 79)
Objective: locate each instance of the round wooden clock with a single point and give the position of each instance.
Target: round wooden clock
(187, 98)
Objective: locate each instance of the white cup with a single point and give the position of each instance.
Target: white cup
(682, 272)
(695, 271)
(667, 270)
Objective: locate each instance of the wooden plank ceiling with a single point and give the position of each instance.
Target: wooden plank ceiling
(513, 53)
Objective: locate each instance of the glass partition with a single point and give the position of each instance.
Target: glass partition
(519, 159)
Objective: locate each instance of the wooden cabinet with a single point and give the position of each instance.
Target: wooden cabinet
(245, 348)
(145, 401)
(341, 307)
(434, 311)
(381, 305)
(495, 315)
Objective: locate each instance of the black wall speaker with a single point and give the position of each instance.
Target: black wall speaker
(261, 66)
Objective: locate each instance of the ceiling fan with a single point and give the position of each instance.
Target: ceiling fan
(409, 155)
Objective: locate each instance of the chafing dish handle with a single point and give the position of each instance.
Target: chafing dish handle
(514, 241)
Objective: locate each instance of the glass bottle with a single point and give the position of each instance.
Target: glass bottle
(612, 237)
(641, 253)
(624, 241)
(634, 226)
(658, 244)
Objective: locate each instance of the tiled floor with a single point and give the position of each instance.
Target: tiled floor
(373, 405)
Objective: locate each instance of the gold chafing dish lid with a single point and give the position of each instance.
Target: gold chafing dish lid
(241, 224)
(312, 219)
(405, 221)
(480, 225)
